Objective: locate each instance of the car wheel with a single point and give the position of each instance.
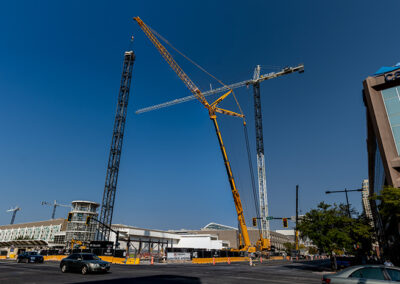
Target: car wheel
(84, 270)
(64, 268)
(26, 260)
(18, 260)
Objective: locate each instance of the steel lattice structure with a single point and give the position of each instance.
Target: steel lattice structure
(107, 205)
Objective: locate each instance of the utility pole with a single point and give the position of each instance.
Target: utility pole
(347, 197)
(296, 233)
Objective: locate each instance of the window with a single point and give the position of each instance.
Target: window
(73, 256)
(391, 98)
(90, 257)
(369, 273)
(394, 274)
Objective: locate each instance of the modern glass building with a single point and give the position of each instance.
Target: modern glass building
(381, 94)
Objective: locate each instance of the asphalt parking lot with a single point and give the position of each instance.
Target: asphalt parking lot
(49, 272)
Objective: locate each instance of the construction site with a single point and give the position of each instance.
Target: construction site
(237, 119)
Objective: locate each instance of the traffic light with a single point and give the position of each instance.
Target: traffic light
(70, 214)
(254, 222)
(87, 223)
(285, 222)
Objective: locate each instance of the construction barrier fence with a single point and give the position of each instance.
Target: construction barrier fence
(219, 260)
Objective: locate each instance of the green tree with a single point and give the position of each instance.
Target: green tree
(289, 247)
(389, 210)
(312, 250)
(331, 229)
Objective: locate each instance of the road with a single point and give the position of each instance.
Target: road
(279, 272)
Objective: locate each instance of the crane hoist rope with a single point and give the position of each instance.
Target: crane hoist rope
(213, 109)
(198, 66)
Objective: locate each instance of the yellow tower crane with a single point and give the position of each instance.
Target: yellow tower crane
(212, 108)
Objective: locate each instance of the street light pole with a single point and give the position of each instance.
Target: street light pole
(347, 201)
(296, 233)
(347, 197)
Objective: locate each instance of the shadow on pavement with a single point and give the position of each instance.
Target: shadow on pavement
(310, 267)
(150, 279)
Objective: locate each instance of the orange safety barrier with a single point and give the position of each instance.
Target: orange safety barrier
(3, 257)
(111, 259)
(116, 260)
(278, 257)
(132, 260)
(219, 259)
(54, 257)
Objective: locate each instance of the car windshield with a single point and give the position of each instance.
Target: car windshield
(90, 257)
(369, 273)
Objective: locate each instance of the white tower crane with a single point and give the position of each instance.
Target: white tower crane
(14, 210)
(55, 204)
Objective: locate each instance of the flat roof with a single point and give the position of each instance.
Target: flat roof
(59, 221)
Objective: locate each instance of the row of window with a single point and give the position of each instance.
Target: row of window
(37, 233)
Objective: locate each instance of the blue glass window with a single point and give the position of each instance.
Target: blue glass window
(391, 98)
(379, 177)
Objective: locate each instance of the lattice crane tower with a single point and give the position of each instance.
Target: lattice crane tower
(262, 179)
(107, 205)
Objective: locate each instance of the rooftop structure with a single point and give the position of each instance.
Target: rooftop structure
(76, 228)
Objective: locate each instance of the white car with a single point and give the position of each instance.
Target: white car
(365, 274)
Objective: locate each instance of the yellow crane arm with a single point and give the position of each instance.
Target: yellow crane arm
(212, 110)
(171, 61)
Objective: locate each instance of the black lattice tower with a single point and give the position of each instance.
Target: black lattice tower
(107, 205)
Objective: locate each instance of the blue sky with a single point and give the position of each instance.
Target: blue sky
(59, 78)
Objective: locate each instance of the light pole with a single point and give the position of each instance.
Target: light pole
(347, 197)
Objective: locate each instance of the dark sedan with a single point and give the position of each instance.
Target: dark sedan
(30, 256)
(85, 263)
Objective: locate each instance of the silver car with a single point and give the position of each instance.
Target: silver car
(364, 274)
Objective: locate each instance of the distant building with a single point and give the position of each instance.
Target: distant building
(77, 228)
(230, 235)
(366, 203)
(31, 235)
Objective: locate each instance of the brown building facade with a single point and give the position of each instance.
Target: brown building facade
(381, 94)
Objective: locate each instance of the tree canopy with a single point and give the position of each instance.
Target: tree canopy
(331, 229)
(389, 211)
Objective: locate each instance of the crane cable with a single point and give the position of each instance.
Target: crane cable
(253, 183)
(198, 66)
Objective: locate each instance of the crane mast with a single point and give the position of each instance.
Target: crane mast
(55, 205)
(14, 211)
(110, 187)
(262, 183)
(212, 110)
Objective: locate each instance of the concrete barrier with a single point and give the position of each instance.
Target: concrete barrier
(218, 260)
